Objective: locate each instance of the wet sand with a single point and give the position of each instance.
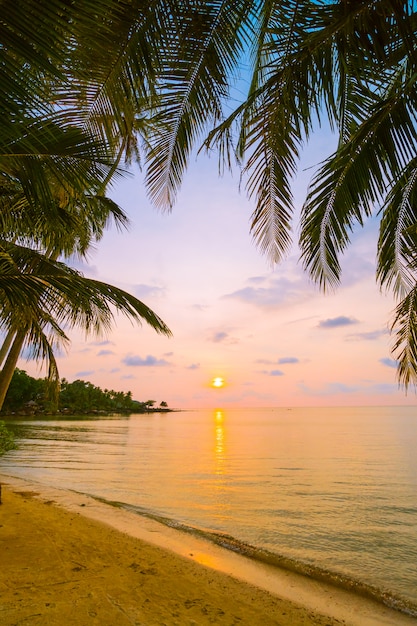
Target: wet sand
(67, 559)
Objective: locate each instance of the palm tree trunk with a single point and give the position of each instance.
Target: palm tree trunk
(10, 364)
(6, 345)
(12, 347)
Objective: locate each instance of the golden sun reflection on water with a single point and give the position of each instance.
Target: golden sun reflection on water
(219, 441)
(219, 484)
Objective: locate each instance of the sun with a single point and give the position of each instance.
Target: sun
(217, 382)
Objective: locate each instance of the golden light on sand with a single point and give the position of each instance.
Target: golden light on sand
(217, 382)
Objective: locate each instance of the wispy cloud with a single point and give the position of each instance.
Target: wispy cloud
(219, 337)
(148, 291)
(148, 361)
(368, 388)
(336, 322)
(105, 352)
(274, 293)
(257, 279)
(193, 366)
(385, 388)
(369, 336)
(288, 359)
(280, 361)
(272, 372)
(84, 373)
(329, 389)
(389, 362)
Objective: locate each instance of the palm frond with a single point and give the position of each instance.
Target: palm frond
(30, 283)
(200, 57)
(405, 346)
(397, 243)
(351, 184)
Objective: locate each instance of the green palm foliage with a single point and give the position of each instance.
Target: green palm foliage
(56, 161)
(90, 84)
(351, 63)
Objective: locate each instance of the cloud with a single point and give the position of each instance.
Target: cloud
(272, 372)
(281, 361)
(329, 389)
(84, 373)
(297, 320)
(105, 342)
(148, 291)
(105, 352)
(257, 279)
(369, 336)
(193, 366)
(219, 336)
(336, 322)
(370, 388)
(276, 292)
(389, 362)
(385, 388)
(148, 361)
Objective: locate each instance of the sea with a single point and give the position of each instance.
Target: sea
(328, 492)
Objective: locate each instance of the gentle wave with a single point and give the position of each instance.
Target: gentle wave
(261, 555)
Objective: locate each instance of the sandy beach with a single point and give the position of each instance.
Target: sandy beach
(68, 559)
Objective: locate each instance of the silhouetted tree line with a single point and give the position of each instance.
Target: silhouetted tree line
(28, 396)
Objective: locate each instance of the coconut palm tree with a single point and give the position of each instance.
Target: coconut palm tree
(55, 164)
(34, 235)
(351, 63)
(155, 79)
(42, 299)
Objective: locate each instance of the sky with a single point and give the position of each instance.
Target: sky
(268, 332)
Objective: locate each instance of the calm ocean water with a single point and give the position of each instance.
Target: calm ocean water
(328, 491)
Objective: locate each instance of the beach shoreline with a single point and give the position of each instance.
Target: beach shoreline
(158, 575)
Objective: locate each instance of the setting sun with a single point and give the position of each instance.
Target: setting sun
(217, 382)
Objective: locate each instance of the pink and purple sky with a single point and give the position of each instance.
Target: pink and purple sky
(274, 338)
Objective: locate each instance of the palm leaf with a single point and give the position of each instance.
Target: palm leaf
(29, 282)
(405, 347)
(398, 234)
(354, 180)
(202, 52)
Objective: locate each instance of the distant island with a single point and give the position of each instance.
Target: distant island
(34, 396)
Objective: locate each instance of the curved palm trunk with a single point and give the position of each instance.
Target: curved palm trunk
(6, 345)
(10, 363)
(12, 347)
